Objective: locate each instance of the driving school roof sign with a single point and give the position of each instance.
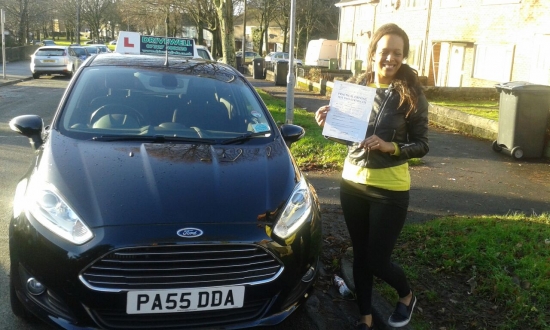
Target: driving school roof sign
(134, 43)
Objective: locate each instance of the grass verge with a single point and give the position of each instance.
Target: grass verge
(478, 273)
(481, 108)
(313, 151)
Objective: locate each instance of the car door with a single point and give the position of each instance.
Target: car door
(73, 58)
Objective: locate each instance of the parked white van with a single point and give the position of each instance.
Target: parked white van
(320, 51)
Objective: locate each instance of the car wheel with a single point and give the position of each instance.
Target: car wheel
(36, 75)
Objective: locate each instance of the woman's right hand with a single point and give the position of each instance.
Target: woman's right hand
(321, 115)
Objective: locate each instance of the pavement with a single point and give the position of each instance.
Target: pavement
(14, 72)
(461, 175)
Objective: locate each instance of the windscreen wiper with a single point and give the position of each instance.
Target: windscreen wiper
(153, 139)
(243, 137)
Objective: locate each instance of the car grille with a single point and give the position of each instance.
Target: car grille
(251, 310)
(181, 266)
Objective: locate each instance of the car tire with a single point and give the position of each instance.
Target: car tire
(36, 75)
(70, 74)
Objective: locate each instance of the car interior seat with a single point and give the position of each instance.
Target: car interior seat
(202, 110)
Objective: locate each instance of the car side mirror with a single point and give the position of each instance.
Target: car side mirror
(30, 126)
(292, 133)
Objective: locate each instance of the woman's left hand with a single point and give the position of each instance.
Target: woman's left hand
(373, 142)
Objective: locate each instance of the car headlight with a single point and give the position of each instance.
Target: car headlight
(19, 198)
(48, 207)
(296, 211)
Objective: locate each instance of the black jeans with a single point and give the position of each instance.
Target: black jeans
(374, 222)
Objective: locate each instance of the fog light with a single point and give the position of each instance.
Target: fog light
(309, 275)
(34, 287)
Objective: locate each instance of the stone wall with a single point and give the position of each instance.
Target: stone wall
(19, 53)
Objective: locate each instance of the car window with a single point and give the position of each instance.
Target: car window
(144, 102)
(203, 53)
(80, 51)
(50, 52)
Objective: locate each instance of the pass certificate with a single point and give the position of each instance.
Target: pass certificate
(350, 108)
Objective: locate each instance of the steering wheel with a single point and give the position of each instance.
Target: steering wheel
(117, 109)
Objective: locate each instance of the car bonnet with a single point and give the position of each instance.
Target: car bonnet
(130, 183)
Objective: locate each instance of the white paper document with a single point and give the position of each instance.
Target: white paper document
(350, 108)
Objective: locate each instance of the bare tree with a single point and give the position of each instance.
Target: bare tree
(96, 13)
(263, 11)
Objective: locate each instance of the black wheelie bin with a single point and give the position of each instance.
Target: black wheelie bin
(259, 66)
(522, 119)
(281, 73)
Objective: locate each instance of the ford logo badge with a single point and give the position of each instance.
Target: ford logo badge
(189, 232)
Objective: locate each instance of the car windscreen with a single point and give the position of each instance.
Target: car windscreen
(141, 103)
(92, 50)
(50, 52)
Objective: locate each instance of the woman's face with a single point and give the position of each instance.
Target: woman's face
(388, 57)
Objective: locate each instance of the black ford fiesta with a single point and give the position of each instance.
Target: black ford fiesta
(163, 196)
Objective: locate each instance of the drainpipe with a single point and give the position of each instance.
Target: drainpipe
(428, 21)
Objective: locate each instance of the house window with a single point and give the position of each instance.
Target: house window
(449, 3)
(416, 4)
(493, 62)
(415, 54)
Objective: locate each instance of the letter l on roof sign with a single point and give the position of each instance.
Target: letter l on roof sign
(127, 42)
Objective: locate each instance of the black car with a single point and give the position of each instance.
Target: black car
(163, 195)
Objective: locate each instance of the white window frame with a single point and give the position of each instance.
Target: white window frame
(415, 54)
(493, 62)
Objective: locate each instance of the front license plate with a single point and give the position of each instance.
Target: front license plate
(184, 300)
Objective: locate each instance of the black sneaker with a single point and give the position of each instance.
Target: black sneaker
(402, 314)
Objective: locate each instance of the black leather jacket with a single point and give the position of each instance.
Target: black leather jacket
(388, 122)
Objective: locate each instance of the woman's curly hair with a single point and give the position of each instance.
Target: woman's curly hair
(406, 79)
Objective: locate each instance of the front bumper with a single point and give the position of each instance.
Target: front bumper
(70, 303)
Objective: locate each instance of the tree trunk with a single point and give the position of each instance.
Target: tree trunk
(225, 13)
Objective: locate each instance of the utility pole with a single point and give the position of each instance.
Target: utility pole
(2, 20)
(291, 78)
(244, 31)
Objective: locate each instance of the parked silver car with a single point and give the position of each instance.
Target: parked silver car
(277, 56)
(54, 60)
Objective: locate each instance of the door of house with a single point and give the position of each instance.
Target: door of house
(456, 65)
(451, 63)
(540, 67)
